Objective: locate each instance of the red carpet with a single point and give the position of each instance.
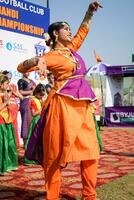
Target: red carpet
(117, 159)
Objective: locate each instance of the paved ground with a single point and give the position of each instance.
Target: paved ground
(117, 159)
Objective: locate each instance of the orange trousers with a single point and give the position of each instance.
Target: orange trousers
(88, 176)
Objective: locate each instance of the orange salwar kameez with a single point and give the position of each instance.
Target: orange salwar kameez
(69, 132)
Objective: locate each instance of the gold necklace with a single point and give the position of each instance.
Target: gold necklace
(72, 58)
(62, 49)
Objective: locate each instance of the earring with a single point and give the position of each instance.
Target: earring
(56, 38)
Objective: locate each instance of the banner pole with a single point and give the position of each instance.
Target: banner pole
(47, 3)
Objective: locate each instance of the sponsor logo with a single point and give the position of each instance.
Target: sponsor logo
(17, 47)
(115, 117)
(127, 68)
(118, 117)
(16, 74)
(39, 49)
(9, 46)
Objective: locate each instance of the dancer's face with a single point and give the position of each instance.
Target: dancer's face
(64, 34)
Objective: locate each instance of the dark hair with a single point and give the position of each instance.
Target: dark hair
(39, 89)
(48, 86)
(7, 73)
(54, 27)
(3, 78)
(50, 77)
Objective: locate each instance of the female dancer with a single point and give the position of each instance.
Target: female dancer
(69, 132)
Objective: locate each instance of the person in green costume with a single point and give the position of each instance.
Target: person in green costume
(8, 148)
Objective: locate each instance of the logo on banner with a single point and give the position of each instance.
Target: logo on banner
(117, 117)
(39, 49)
(9, 46)
(17, 47)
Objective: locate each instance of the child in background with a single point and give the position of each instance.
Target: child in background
(8, 148)
(15, 97)
(35, 103)
(25, 87)
(50, 84)
(48, 88)
(50, 78)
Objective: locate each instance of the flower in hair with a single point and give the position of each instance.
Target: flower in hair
(46, 37)
(48, 40)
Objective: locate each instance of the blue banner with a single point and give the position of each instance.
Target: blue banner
(23, 17)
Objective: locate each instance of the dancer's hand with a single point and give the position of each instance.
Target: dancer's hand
(94, 6)
(41, 67)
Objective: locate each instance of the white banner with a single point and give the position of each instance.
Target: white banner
(14, 48)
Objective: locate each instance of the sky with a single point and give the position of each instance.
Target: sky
(112, 29)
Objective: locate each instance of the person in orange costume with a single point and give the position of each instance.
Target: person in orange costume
(8, 148)
(69, 132)
(15, 96)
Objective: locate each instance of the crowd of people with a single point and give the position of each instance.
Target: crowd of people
(27, 98)
(60, 128)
